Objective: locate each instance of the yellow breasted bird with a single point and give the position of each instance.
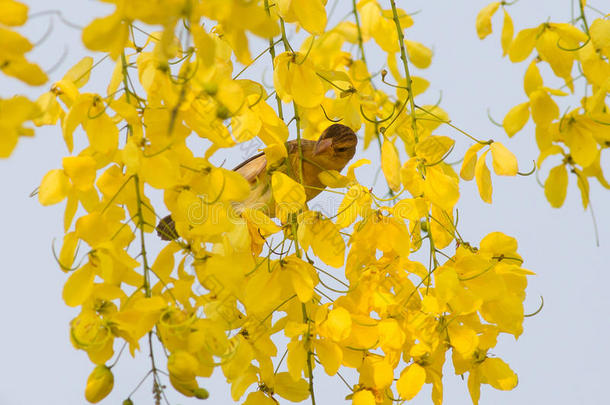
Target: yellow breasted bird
(332, 151)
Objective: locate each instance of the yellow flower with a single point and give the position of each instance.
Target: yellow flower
(295, 79)
(554, 43)
(310, 14)
(483, 23)
(14, 113)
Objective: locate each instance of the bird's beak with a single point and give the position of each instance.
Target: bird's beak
(322, 146)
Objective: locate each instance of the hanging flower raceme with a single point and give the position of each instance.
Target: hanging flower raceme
(284, 264)
(578, 135)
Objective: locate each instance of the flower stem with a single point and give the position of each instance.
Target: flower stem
(280, 112)
(309, 354)
(360, 42)
(403, 56)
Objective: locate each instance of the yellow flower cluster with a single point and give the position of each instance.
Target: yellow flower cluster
(581, 133)
(219, 295)
(17, 110)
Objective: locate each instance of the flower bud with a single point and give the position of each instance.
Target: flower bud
(182, 365)
(99, 384)
(201, 393)
(185, 387)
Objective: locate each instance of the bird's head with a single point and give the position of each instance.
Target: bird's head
(337, 144)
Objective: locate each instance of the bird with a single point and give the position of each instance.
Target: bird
(334, 148)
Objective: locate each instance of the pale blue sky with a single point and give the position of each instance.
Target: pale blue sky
(561, 358)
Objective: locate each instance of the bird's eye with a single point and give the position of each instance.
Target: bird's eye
(340, 150)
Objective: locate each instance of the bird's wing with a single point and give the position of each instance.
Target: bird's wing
(251, 168)
(292, 147)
